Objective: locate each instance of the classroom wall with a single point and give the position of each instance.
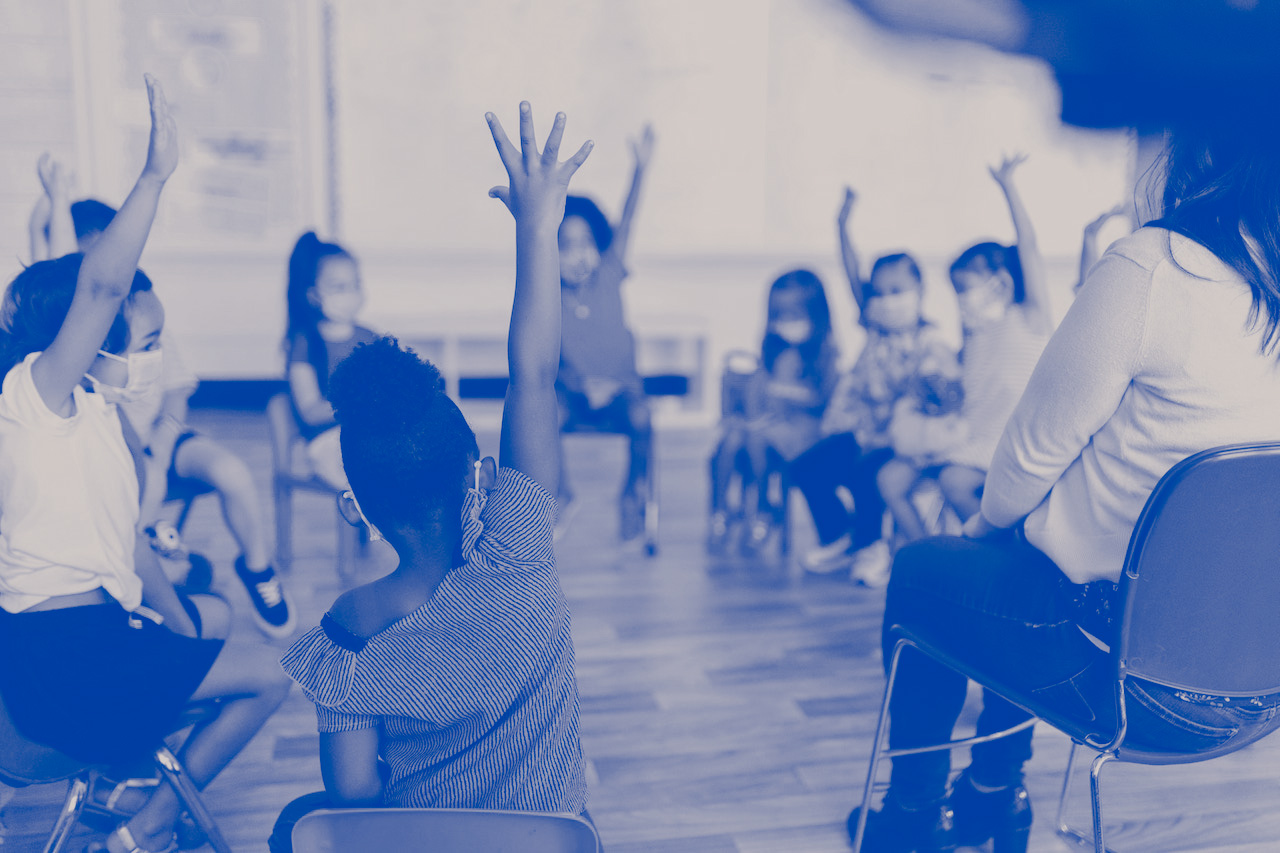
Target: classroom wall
(763, 109)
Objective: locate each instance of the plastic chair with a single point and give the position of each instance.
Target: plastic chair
(1181, 625)
(290, 473)
(24, 763)
(442, 831)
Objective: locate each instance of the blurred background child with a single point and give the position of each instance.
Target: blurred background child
(323, 299)
(598, 382)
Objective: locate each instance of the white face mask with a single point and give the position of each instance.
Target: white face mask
(143, 369)
(341, 307)
(794, 332)
(983, 305)
(894, 312)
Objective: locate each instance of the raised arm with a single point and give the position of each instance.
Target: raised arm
(848, 255)
(106, 273)
(1033, 275)
(530, 440)
(642, 153)
(37, 229)
(1089, 253)
(56, 180)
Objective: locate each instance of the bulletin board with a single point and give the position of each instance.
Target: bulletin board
(249, 89)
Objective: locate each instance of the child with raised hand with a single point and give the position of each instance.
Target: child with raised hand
(50, 229)
(324, 299)
(78, 595)
(1089, 253)
(1007, 321)
(598, 381)
(456, 669)
(856, 441)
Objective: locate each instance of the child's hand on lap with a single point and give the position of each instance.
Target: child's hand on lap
(539, 183)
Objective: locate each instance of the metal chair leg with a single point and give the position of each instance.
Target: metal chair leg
(176, 775)
(1095, 794)
(876, 744)
(1061, 822)
(72, 806)
(283, 505)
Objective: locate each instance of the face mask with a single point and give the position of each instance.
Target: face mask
(895, 311)
(983, 305)
(143, 370)
(341, 307)
(794, 332)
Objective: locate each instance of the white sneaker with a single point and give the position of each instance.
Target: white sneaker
(826, 559)
(871, 565)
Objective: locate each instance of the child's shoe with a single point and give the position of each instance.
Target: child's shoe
(894, 829)
(871, 565)
(717, 533)
(1003, 815)
(271, 611)
(166, 541)
(758, 534)
(827, 559)
(630, 514)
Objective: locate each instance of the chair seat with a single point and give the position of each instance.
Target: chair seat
(1076, 727)
(442, 831)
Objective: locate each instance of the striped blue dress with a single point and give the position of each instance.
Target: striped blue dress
(473, 694)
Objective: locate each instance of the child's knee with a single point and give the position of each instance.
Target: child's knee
(229, 475)
(895, 479)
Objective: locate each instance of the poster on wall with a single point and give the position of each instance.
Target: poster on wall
(247, 85)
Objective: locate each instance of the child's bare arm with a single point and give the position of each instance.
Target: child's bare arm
(349, 767)
(56, 180)
(1033, 275)
(848, 255)
(36, 225)
(304, 388)
(106, 273)
(1089, 243)
(642, 152)
(535, 196)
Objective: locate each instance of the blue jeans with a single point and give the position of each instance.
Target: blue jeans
(1002, 604)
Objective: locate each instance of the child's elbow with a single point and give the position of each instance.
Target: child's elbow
(352, 793)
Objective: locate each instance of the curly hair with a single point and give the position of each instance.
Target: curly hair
(405, 444)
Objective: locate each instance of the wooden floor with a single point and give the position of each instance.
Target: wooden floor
(725, 706)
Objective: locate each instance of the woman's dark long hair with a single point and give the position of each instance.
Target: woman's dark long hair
(1223, 182)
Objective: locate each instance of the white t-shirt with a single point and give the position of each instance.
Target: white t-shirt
(1154, 362)
(68, 498)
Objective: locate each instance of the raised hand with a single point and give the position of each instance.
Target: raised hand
(642, 148)
(1004, 172)
(1096, 225)
(538, 181)
(846, 206)
(54, 177)
(162, 150)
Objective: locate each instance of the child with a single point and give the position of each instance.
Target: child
(1089, 253)
(324, 298)
(177, 455)
(855, 425)
(110, 653)
(598, 382)
(797, 360)
(1004, 309)
(456, 670)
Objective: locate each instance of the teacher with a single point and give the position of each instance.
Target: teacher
(1171, 348)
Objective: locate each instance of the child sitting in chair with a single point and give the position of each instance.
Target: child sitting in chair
(450, 682)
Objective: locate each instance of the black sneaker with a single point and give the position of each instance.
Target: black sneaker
(1003, 815)
(271, 612)
(894, 829)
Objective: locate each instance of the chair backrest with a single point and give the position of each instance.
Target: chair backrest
(23, 762)
(284, 432)
(442, 831)
(1201, 586)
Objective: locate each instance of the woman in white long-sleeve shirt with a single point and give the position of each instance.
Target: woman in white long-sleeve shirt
(1171, 348)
